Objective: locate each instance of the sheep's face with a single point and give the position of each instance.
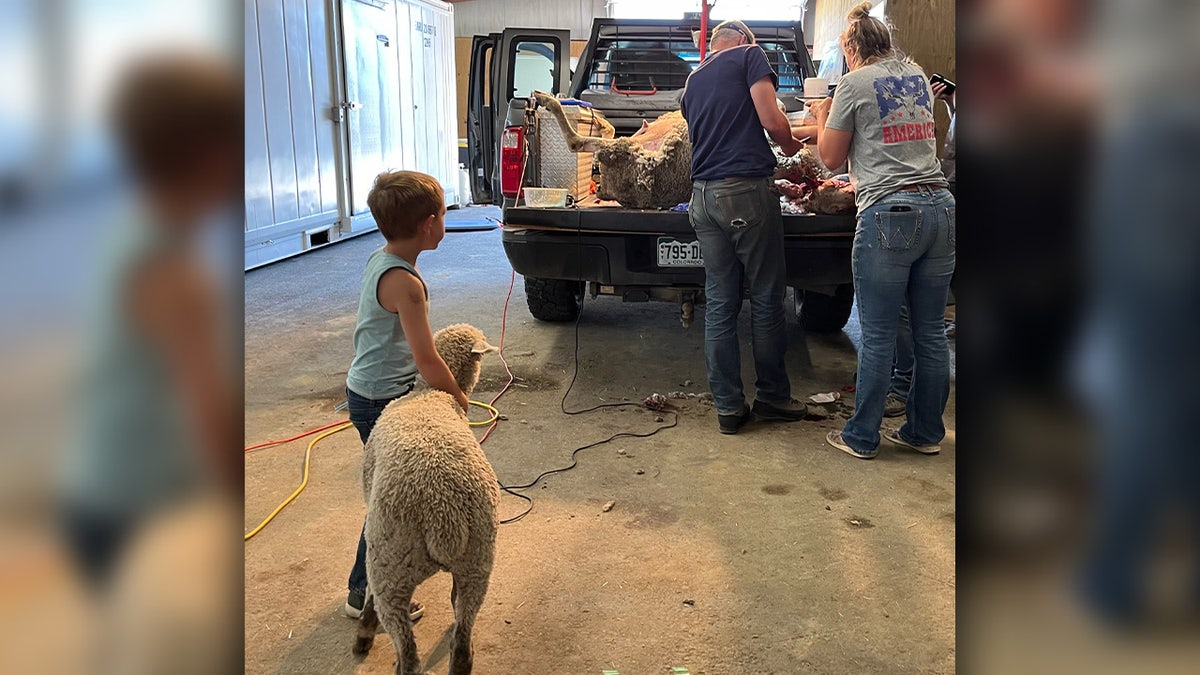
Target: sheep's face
(462, 347)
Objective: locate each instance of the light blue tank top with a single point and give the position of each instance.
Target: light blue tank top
(135, 450)
(383, 365)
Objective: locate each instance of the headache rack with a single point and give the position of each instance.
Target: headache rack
(649, 57)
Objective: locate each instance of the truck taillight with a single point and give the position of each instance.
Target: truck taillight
(512, 160)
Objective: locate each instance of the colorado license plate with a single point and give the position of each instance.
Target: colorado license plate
(676, 253)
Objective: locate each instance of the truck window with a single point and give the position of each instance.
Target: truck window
(533, 68)
(643, 65)
(791, 74)
(635, 63)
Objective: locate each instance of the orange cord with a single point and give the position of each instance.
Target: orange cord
(289, 440)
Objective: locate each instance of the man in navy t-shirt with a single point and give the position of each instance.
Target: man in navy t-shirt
(729, 101)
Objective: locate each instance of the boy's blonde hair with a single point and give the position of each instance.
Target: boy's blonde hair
(401, 200)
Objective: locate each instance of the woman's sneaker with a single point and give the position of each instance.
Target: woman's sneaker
(835, 439)
(925, 449)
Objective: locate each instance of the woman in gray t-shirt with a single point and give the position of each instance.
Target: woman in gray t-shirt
(881, 120)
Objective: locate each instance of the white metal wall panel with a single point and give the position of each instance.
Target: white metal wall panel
(278, 107)
(492, 16)
(447, 122)
(406, 120)
(291, 157)
(416, 130)
(431, 25)
(303, 114)
(258, 170)
(324, 100)
(410, 97)
(372, 84)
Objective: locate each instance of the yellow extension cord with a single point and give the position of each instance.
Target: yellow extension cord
(308, 456)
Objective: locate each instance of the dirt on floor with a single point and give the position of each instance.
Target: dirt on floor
(763, 552)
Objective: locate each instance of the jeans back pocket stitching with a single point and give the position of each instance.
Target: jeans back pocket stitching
(885, 241)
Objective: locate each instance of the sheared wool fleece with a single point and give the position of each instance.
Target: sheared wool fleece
(431, 505)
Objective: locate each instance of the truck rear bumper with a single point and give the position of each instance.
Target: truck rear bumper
(612, 259)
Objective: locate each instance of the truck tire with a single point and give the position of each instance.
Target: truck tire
(553, 299)
(822, 313)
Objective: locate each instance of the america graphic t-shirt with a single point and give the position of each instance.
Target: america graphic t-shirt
(888, 105)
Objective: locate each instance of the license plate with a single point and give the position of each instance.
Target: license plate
(677, 253)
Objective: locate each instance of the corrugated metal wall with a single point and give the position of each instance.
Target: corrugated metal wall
(489, 16)
(829, 21)
(291, 173)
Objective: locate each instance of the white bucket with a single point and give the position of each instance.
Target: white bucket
(464, 186)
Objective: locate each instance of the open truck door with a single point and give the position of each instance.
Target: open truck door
(506, 66)
(481, 139)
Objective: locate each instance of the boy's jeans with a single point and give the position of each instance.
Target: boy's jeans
(364, 412)
(900, 256)
(740, 229)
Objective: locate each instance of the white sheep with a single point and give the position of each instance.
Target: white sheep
(431, 505)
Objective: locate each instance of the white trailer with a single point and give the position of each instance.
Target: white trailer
(338, 91)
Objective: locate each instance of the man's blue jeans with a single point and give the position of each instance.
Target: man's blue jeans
(903, 254)
(740, 229)
(364, 412)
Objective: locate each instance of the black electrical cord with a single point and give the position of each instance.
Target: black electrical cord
(511, 489)
(562, 404)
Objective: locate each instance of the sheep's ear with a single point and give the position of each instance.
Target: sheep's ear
(482, 347)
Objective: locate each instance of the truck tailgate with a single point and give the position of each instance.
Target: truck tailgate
(618, 219)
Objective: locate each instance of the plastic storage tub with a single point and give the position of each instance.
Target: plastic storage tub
(545, 197)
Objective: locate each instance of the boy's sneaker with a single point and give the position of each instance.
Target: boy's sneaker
(789, 411)
(729, 424)
(928, 449)
(894, 406)
(835, 439)
(355, 602)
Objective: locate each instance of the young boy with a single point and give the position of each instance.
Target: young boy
(392, 338)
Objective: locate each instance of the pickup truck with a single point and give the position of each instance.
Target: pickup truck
(631, 71)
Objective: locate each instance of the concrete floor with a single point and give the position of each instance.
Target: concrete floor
(764, 552)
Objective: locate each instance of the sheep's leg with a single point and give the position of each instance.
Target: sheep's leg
(393, 614)
(468, 592)
(368, 626)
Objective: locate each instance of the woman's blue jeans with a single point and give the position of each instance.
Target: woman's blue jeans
(903, 253)
(740, 229)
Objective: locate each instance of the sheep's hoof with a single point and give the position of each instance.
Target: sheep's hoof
(362, 645)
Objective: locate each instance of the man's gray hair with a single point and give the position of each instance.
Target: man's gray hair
(727, 30)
